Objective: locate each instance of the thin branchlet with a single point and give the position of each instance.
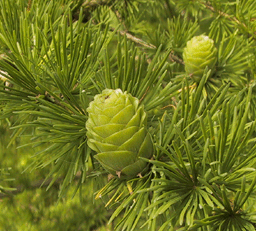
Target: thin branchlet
(229, 17)
(139, 41)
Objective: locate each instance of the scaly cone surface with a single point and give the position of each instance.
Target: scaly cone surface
(199, 53)
(116, 130)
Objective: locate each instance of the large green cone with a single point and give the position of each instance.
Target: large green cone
(199, 53)
(116, 130)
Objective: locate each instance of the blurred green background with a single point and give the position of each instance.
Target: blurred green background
(34, 207)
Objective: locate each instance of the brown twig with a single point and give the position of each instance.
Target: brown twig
(136, 40)
(231, 18)
(29, 5)
(139, 41)
(94, 3)
(234, 19)
(144, 95)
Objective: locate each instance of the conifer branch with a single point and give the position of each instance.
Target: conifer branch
(94, 3)
(234, 19)
(170, 9)
(200, 161)
(29, 5)
(231, 18)
(139, 41)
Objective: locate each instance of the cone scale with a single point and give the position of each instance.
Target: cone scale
(116, 130)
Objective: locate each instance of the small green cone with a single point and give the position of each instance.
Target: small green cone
(116, 130)
(199, 53)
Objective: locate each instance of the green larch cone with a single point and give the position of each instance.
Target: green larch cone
(116, 130)
(199, 53)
